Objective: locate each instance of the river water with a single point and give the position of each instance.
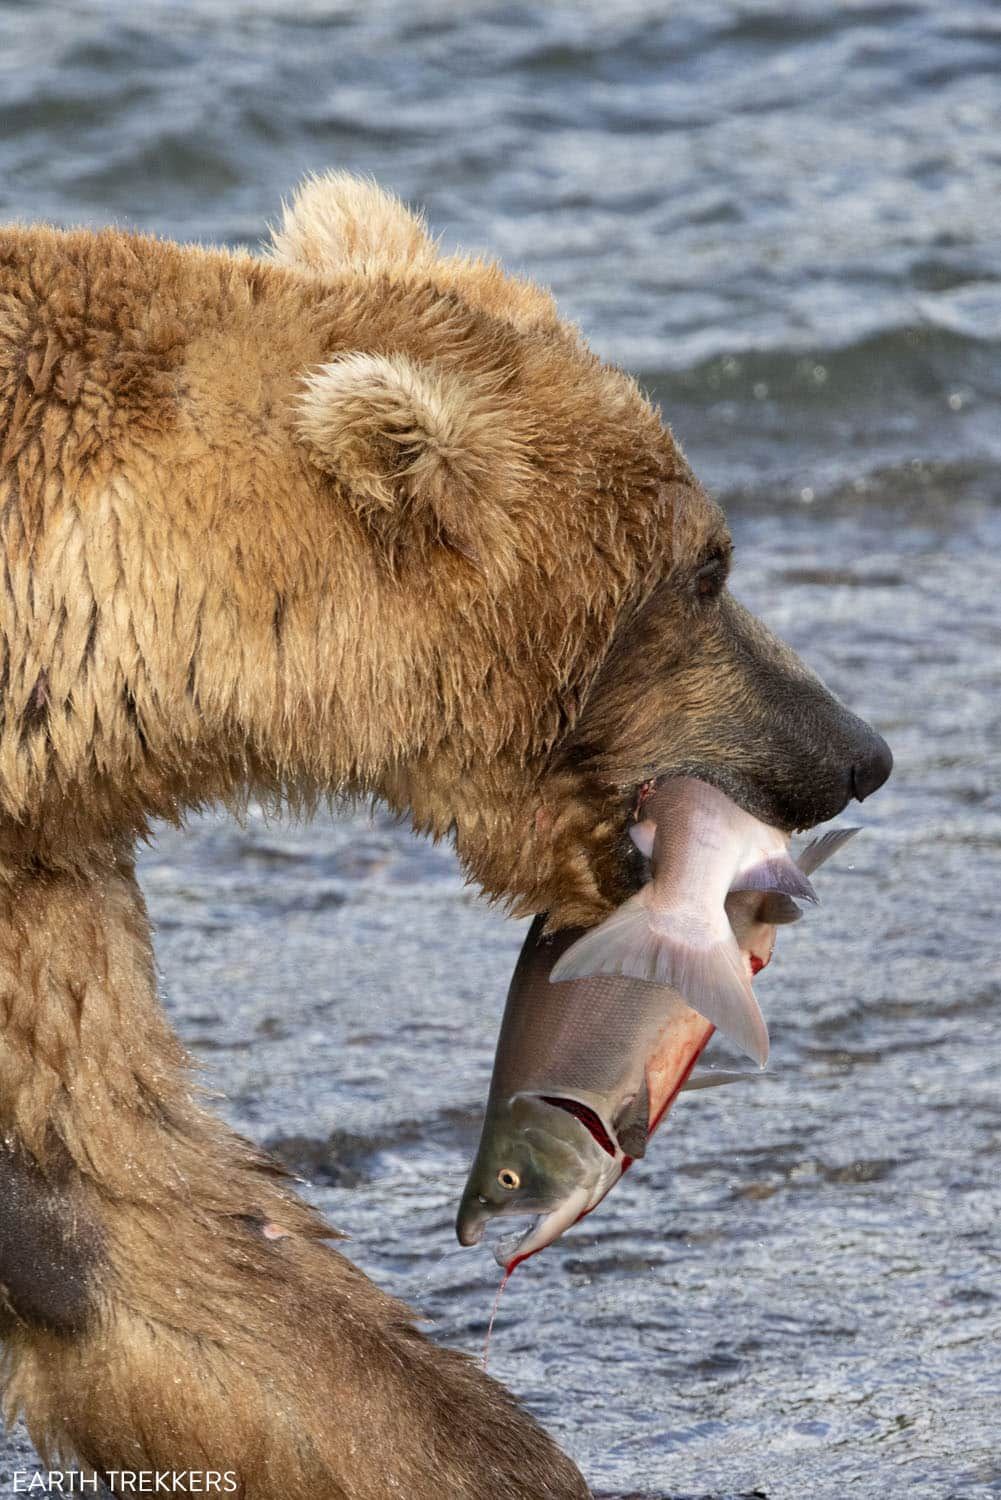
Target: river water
(784, 218)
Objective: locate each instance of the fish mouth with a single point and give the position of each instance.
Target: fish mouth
(477, 1215)
(544, 1229)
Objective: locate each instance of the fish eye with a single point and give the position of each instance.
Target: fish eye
(508, 1178)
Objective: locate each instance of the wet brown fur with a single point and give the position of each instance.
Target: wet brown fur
(148, 1319)
(352, 519)
(204, 600)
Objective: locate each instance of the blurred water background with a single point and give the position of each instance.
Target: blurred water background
(785, 217)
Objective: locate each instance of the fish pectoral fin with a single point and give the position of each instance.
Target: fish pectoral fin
(817, 851)
(714, 1078)
(643, 835)
(777, 910)
(632, 1123)
(779, 873)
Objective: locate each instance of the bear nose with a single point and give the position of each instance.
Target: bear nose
(871, 769)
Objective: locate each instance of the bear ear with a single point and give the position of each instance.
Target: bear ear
(424, 457)
(337, 222)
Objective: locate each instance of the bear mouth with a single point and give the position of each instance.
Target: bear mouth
(757, 801)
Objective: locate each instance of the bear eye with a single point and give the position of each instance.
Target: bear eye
(710, 578)
(508, 1179)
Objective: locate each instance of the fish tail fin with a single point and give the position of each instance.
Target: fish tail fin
(715, 982)
(779, 873)
(625, 943)
(818, 851)
(711, 978)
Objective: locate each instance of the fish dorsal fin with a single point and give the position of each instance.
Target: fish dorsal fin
(779, 873)
(815, 853)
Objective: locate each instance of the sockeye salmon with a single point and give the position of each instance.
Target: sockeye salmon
(569, 1106)
(584, 1073)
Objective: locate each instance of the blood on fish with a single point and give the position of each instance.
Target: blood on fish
(683, 1078)
(757, 964)
(587, 1118)
(513, 1264)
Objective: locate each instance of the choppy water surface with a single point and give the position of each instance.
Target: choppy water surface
(785, 219)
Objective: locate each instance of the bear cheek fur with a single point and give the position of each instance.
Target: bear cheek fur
(535, 825)
(540, 813)
(529, 523)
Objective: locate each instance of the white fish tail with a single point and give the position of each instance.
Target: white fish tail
(711, 978)
(625, 943)
(715, 982)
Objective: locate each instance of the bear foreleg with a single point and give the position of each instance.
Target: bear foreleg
(166, 1301)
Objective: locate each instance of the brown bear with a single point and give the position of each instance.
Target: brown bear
(352, 518)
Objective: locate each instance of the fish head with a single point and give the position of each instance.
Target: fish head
(534, 1159)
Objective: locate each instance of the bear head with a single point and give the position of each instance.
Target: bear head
(561, 573)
